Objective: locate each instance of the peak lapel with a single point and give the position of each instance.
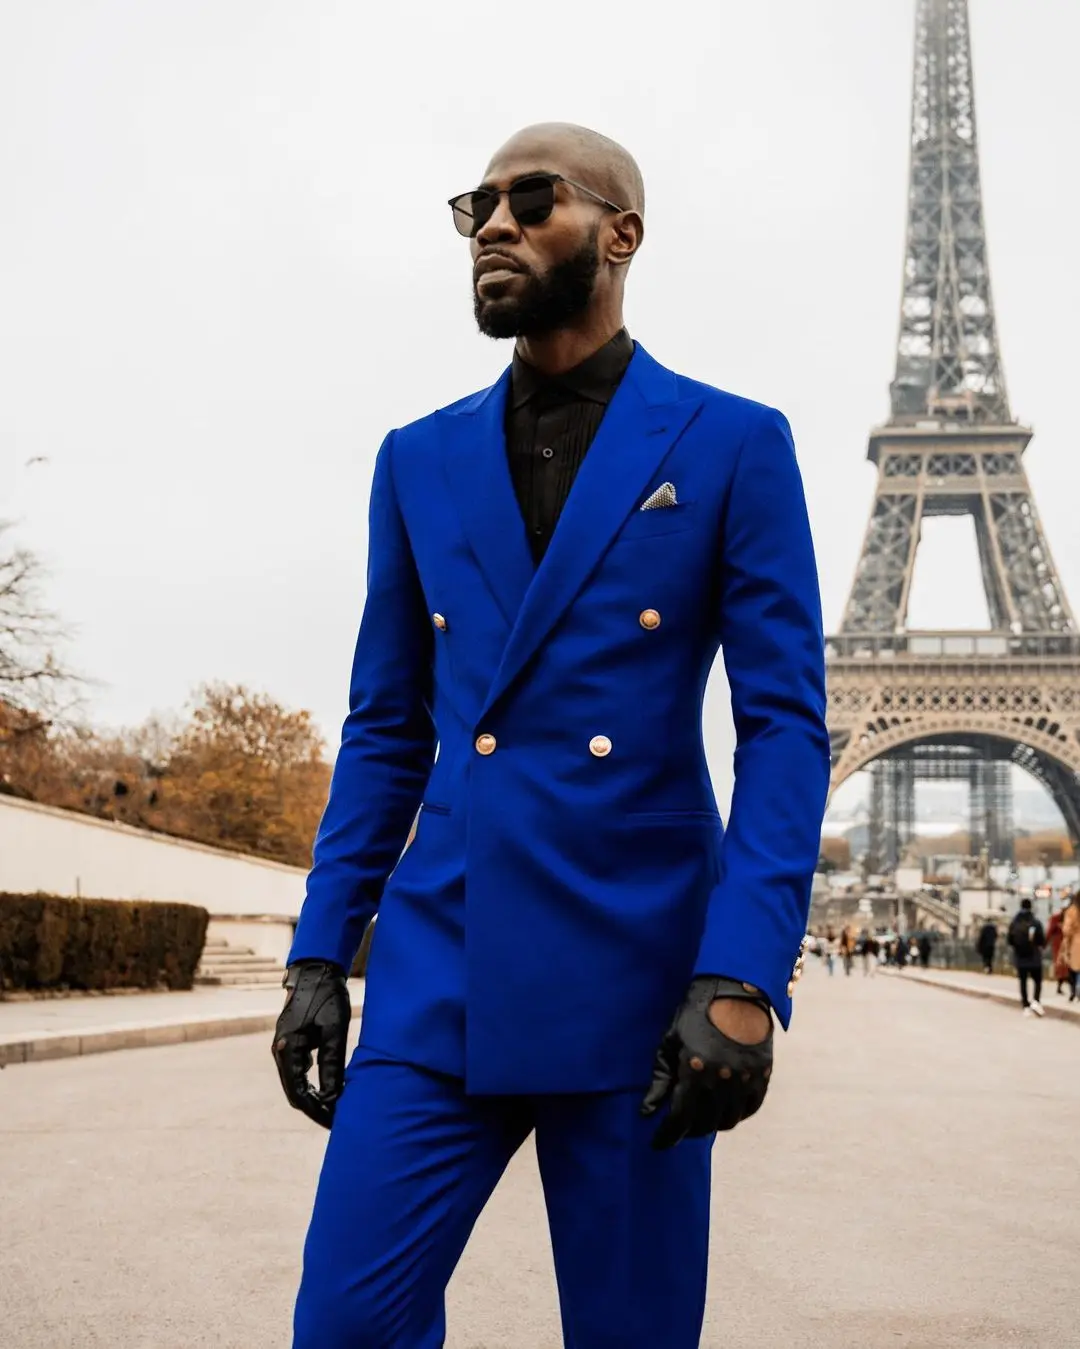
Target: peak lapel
(639, 429)
(478, 479)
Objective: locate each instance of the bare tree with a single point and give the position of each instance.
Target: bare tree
(35, 684)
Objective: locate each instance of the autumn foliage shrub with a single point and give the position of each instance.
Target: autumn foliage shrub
(240, 772)
(49, 942)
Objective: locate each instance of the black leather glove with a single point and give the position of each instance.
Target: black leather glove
(714, 1082)
(316, 1016)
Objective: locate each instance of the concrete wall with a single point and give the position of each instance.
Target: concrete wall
(908, 880)
(268, 936)
(63, 853)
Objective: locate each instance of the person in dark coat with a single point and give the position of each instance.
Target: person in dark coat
(986, 944)
(1027, 939)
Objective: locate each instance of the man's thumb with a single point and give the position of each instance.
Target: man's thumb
(658, 1090)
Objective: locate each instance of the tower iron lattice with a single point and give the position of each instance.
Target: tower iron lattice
(915, 705)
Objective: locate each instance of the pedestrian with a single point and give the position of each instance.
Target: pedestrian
(1027, 939)
(986, 944)
(610, 983)
(901, 951)
(832, 947)
(847, 948)
(870, 949)
(1055, 935)
(924, 945)
(1070, 945)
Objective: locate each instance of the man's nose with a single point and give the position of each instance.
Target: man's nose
(500, 225)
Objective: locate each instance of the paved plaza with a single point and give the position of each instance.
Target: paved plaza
(910, 1183)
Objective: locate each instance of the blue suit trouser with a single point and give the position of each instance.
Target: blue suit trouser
(412, 1160)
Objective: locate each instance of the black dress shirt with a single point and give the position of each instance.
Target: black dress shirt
(550, 423)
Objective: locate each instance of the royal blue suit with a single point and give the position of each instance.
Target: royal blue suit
(538, 934)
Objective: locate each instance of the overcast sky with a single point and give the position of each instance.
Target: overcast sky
(227, 267)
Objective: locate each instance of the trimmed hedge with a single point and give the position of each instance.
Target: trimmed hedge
(48, 942)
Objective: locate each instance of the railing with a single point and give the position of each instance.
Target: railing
(954, 953)
(952, 645)
(959, 954)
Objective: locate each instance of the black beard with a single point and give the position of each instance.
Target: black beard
(547, 303)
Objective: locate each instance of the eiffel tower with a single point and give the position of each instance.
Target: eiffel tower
(961, 705)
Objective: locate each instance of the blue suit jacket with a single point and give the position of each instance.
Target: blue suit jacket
(540, 931)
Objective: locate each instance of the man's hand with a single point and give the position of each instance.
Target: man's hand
(315, 1017)
(714, 1062)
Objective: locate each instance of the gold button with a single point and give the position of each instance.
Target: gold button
(439, 622)
(485, 744)
(751, 989)
(649, 619)
(791, 988)
(600, 745)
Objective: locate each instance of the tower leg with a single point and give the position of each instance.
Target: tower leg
(892, 812)
(991, 809)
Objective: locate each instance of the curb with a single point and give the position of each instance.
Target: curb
(988, 995)
(66, 1045)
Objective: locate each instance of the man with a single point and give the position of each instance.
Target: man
(988, 935)
(1027, 939)
(553, 564)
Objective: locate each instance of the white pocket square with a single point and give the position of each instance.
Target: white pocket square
(663, 496)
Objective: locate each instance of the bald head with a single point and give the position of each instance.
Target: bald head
(585, 155)
(560, 220)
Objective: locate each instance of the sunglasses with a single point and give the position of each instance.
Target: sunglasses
(531, 201)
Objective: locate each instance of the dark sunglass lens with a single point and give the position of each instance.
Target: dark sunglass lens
(532, 200)
(462, 209)
(483, 208)
(472, 211)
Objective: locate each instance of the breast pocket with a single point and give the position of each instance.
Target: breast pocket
(661, 520)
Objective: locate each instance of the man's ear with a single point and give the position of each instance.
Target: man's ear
(627, 233)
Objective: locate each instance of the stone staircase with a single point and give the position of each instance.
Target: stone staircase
(934, 907)
(237, 967)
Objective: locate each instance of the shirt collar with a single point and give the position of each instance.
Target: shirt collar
(596, 378)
